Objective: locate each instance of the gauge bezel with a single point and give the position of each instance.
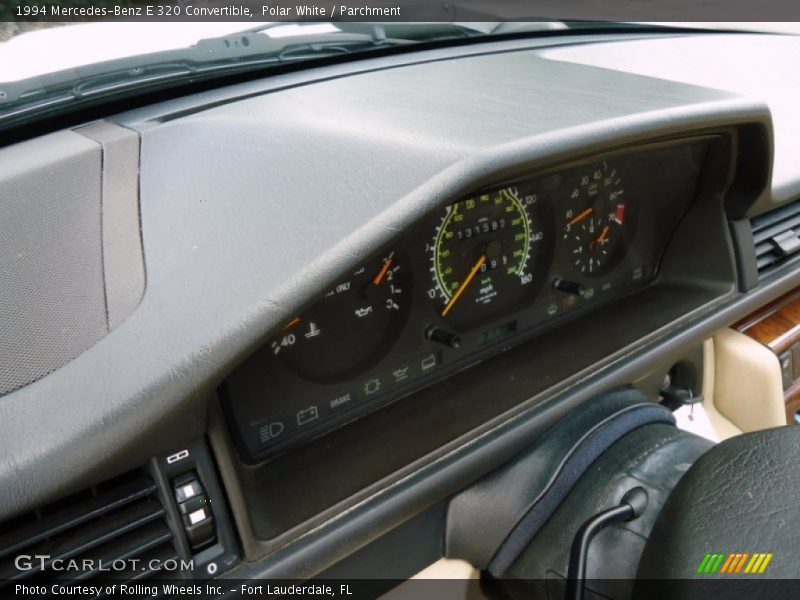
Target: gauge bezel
(533, 265)
(450, 212)
(625, 234)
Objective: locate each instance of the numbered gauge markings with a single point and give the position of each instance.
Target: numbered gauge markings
(597, 220)
(352, 327)
(483, 256)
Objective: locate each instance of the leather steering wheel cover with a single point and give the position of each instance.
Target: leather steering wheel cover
(741, 496)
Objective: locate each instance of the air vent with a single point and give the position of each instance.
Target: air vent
(775, 235)
(115, 521)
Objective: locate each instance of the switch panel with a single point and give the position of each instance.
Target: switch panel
(195, 509)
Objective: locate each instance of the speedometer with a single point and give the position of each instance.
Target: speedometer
(483, 257)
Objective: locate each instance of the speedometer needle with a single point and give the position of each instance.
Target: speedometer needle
(474, 271)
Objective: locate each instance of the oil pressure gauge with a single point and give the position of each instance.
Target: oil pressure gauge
(597, 219)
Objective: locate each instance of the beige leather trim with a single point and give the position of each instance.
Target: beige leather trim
(747, 385)
(449, 568)
(722, 426)
(465, 587)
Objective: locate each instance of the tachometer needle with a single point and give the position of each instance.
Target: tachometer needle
(582, 216)
(382, 273)
(474, 271)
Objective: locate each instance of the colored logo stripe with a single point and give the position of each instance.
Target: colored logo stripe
(734, 562)
(758, 563)
(727, 564)
(703, 563)
(737, 562)
(710, 563)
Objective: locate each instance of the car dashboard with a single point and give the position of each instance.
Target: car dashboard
(349, 291)
(481, 275)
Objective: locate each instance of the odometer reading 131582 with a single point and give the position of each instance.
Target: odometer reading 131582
(482, 257)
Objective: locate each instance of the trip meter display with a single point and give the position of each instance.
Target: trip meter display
(484, 256)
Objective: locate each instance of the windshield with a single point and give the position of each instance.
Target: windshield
(27, 49)
(32, 49)
(55, 64)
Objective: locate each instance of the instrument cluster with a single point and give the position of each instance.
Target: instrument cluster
(485, 272)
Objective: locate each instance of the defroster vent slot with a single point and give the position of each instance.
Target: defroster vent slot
(119, 520)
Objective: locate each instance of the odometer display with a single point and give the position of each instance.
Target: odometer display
(482, 257)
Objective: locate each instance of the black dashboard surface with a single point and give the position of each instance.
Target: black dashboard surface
(240, 234)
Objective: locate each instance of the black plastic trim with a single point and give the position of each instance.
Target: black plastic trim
(744, 252)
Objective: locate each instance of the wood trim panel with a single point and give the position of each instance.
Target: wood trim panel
(777, 326)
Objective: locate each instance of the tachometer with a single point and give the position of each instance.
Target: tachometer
(597, 220)
(352, 327)
(482, 257)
